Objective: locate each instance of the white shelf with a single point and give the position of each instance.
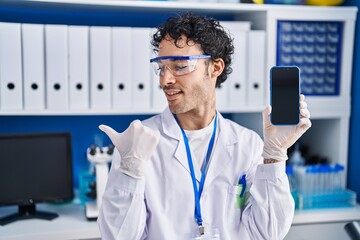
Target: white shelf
(327, 215)
(139, 111)
(321, 113)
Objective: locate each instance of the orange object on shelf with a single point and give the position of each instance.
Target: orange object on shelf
(324, 2)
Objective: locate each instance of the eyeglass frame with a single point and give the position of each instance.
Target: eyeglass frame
(194, 57)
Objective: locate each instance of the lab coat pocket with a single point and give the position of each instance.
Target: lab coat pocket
(234, 205)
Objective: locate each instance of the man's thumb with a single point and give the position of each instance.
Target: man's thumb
(266, 116)
(109, 131)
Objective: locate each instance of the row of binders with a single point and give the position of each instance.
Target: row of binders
(65, 67)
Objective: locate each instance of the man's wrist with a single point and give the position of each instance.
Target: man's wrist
(269, 161)
(273, 154)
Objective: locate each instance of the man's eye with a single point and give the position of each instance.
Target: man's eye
(179, 68)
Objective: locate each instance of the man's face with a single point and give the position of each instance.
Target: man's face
(193, 91)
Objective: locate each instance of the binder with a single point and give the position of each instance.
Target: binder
(56, 52)
(78, 67)
(159, 101)
(237, 84)
(33, 66)
(256, 68)
(121, 67)
(234, 91)
(222, 93)
(100, 67)
(10, 67)
(236, 25)
(141, 69)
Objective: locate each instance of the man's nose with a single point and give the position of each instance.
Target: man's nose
(166, 78)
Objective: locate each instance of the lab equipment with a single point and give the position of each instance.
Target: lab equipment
(353, 230)
(331, 199)
(319, 178)
(320, 186)
(100, 157)
(295, 158)
(316, 48)
(293, 185)
(35, 168)
(87, 185)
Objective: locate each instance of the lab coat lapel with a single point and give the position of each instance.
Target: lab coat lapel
(172, 129)
(222, 154)
(181, 156)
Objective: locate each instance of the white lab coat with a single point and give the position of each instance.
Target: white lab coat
(161, 206)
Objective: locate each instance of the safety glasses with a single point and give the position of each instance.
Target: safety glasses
(177, 65)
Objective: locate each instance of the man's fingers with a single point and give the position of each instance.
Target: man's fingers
(136, 124)
(305, 113)
(266, 116)
(266, 112)
(303, 104)
(154, 134)
(305, 123)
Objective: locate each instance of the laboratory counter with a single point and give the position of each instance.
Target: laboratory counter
(72, 223)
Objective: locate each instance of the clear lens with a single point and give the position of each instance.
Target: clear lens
(177, 67)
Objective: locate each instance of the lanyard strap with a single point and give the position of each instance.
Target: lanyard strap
(197, 193)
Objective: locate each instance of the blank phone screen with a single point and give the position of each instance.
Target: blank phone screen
(285, 95)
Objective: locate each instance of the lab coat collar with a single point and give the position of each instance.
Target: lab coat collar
(221, 155)
(171, 128)
(169, 125)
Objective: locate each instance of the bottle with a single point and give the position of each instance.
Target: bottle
(296, 159)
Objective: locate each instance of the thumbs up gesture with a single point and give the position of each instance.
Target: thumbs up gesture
(135, 145)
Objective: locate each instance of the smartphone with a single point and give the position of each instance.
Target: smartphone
(285, 95)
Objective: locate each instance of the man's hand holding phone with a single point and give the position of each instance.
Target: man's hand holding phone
(277, 139)
(288, 118)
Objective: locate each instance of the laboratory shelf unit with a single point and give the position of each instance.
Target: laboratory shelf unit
(330, 113)
(262, 17)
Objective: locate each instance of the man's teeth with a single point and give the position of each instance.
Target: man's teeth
(172, 93)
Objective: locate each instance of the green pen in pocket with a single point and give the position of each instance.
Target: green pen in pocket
(240, 199)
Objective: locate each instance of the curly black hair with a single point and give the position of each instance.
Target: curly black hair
(205, 31)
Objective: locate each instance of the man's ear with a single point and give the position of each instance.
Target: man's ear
(217, 67)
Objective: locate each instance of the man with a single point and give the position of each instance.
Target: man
(188, 173)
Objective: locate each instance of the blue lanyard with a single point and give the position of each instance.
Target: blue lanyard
(197, 193)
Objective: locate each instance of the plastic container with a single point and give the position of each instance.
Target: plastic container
(293, 185)
(330, 199)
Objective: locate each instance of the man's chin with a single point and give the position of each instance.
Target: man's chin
(175, 109)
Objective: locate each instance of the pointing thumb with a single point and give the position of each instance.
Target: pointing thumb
(112, 134)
